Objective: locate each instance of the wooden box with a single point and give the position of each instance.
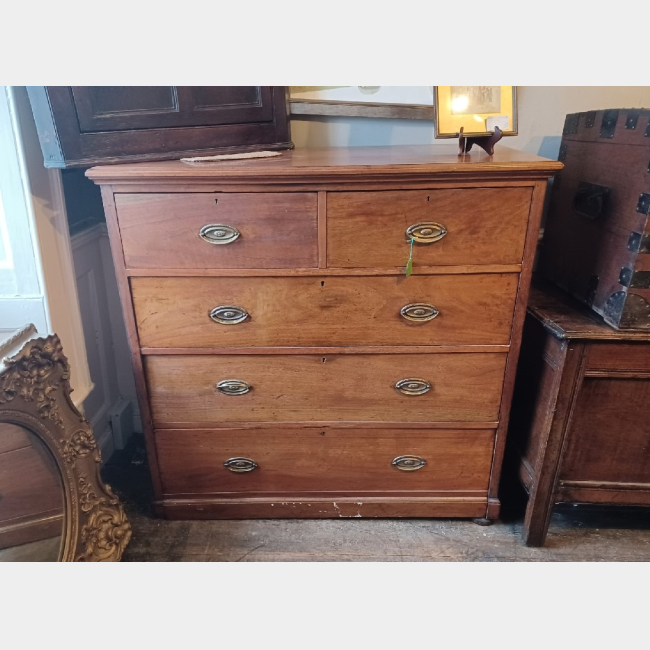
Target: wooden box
(597, 237)
(80, 126)
(579, 427)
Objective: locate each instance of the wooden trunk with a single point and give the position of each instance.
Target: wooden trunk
(579, 430)
(597, 237)
(286, 365)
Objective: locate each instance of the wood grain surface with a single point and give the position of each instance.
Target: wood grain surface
(162, 230)
(297, 388)
(324, 311)
(619, 357)
(315, 460)
(609, 438)
(484, 226)
(403, 163)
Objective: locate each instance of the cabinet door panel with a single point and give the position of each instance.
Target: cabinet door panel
(609, 439)
(118, 108)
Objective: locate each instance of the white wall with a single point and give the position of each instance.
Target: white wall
(542, 110)
(112, 406)
(37, 203)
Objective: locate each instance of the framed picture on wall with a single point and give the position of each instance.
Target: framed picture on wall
(478, 109)
(405, 102)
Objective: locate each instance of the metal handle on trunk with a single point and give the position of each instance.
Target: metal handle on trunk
(590, 200)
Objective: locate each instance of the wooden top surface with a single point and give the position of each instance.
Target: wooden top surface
(566, 318)
(337, 162)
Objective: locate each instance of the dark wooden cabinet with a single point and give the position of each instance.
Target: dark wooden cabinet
(80, 126)
(579, 431)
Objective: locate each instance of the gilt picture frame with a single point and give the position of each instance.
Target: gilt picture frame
(477, 109)
(35, 395)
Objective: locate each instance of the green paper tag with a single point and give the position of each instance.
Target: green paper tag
(409, 264)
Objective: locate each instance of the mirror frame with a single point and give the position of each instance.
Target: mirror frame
(35, 393)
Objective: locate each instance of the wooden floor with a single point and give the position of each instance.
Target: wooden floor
(576, 534)
(45, 550)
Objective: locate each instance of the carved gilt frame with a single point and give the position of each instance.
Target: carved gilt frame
(35, 393)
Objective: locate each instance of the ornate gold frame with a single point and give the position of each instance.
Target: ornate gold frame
(35, 393)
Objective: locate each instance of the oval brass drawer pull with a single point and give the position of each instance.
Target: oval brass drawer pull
(219, 233)
(228, 314)
(418, 312)
(409, 463)
(233, 387)
(239, 465)
(426, 233)
(413, 386)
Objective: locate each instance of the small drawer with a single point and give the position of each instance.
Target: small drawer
(444, 387)
(327, 459)
(619, 357)
(451, 227)
(218, 230)
(325, 311)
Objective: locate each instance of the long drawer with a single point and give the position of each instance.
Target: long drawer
(460, 387)
(325, 311)
(323, 460)
(455, 226)
(218, 230)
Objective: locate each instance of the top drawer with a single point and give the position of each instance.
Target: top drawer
(163, 231)
(481, 226)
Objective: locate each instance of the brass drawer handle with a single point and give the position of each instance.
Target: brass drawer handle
(233, 387)
(426, 233)
(418, 312)
(413, 386)
(219, 233)
(239, 465)
(409, 463)
(228, 314)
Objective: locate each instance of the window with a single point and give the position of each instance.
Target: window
(21, 296)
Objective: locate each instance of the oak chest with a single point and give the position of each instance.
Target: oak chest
(579, 427)
(287, 366)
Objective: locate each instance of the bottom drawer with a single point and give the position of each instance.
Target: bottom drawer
(324, 460)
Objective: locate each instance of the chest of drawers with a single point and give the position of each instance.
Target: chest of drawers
(285, 364)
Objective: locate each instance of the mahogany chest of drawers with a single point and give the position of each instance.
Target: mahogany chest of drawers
(286, 366)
